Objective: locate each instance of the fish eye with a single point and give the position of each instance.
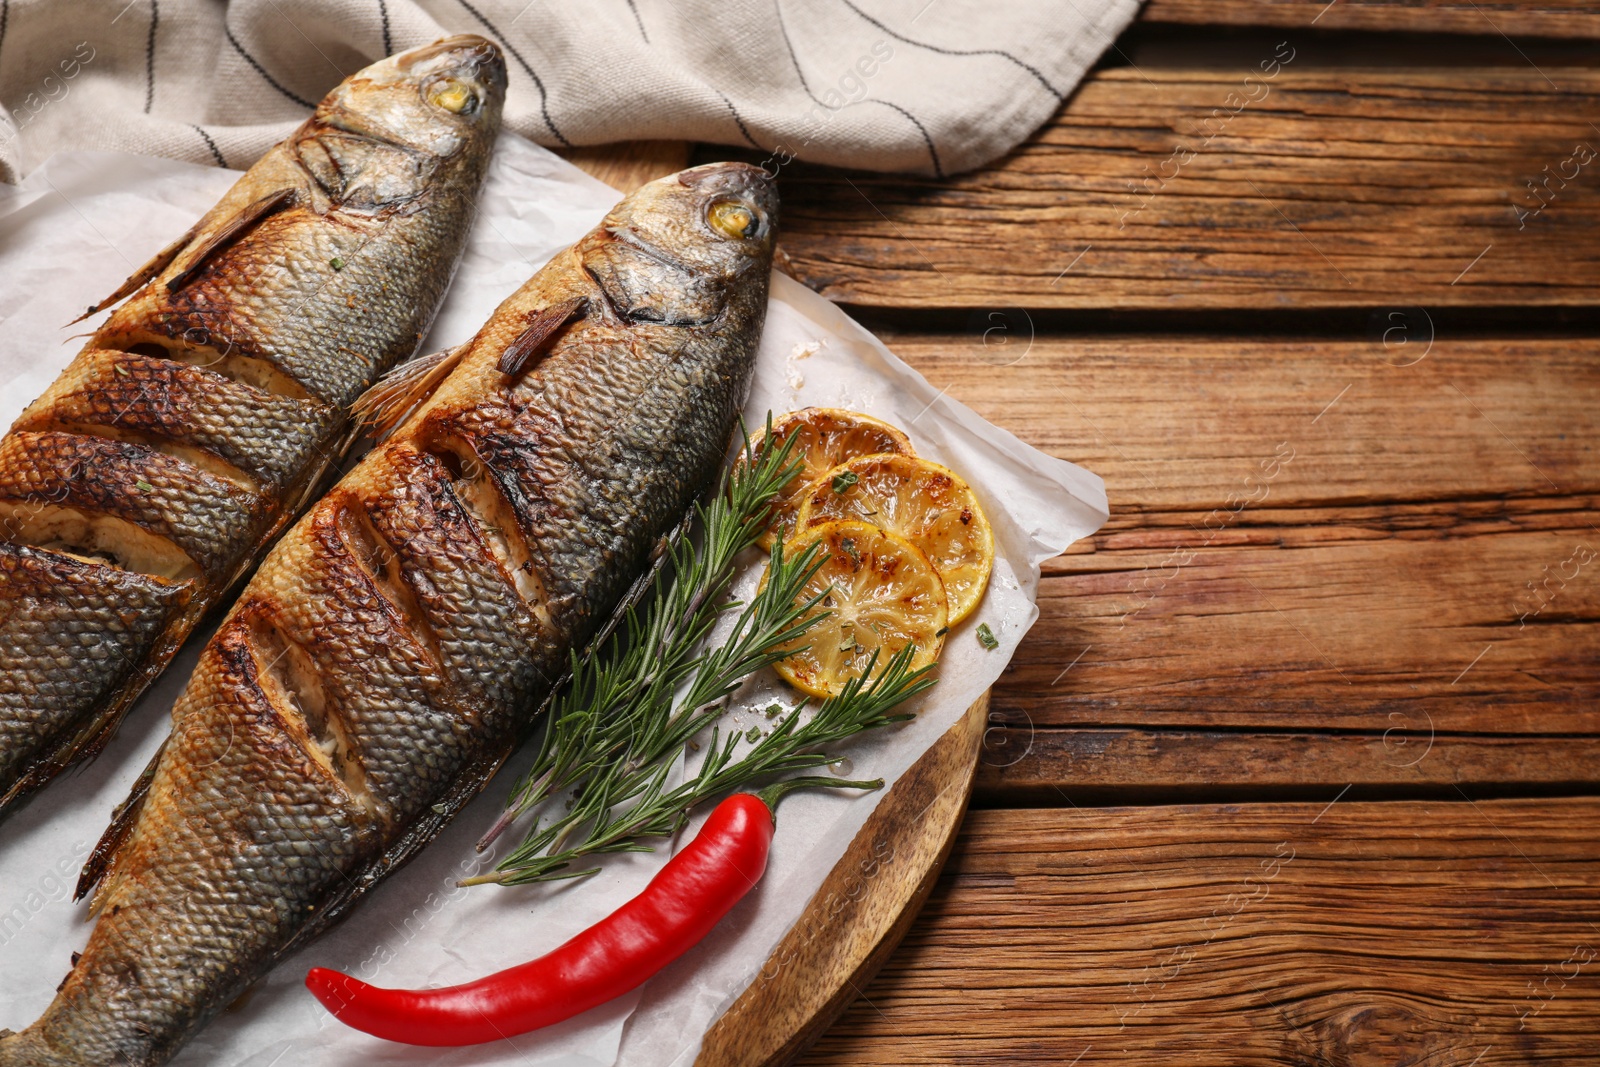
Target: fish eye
(454, 96)
(733, 219)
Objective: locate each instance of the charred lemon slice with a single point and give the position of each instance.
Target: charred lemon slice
(882, 594)
(927, 504)
(826, 438)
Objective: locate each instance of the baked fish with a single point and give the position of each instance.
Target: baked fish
(394, 645)
(202, 416)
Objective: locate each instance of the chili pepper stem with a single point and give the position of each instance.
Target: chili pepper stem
(778, 790)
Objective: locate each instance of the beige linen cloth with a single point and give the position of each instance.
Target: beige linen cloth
(928, 86)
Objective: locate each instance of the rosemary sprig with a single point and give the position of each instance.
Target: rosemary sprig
(613, 731)
(621, 697)
(623, 804)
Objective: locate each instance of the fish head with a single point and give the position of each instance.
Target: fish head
(676, 249)
(440, 100)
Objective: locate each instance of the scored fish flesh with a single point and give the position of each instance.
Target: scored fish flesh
(387, 656)
(202, 417)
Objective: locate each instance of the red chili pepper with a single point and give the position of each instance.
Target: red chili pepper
(681, 904)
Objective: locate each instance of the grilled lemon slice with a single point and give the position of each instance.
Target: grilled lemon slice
(827, 437)
(926, 504)
(882, 595)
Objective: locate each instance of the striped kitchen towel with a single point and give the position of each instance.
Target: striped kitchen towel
(929, 86)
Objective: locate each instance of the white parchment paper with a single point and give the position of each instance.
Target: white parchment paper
(69, 235)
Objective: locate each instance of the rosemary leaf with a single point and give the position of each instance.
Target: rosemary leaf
(600, 823)
(619, 695)
(637, 701)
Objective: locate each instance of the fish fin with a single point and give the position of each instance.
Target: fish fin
(542, 326)
(395, 395)
(103, 859)
(137, 280)
(230, 231)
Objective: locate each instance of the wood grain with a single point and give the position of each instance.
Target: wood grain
(1376, 584)
(1177, 423)
(1420, 633)
(1170, 189)
(1263, 935)
(1547, 18)
(860, 913)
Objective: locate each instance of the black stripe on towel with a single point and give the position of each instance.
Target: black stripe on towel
(938, 171)
(383, 13)
(745, 130)
(250, 59)
(150, 56)
(216, 153)
(794, 58)
(959, 52)
(544, 108)
(634, 7)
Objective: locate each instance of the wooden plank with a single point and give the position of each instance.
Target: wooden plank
(1171, 189)
(1421, 631)
(1373, 579)
(1176, 425)
(1273, 935)
(858, 916)
(1547, 18)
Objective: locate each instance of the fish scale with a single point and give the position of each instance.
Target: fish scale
(267, 438)
(207, 410)
(375, 670)
(473, 613)
(391, 650)
(56, 609)
(209, 520)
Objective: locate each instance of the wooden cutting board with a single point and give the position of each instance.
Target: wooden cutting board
(863, 909)
(870, 897)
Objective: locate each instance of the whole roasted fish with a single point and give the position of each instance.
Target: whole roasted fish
(201, 417)
(384, 660)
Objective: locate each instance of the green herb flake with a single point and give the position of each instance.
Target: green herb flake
(844, 480)
(336, 263)
(144, 486)
(753, 734)
(986, 637)
(774, 710)
(848, 546)
(941, 631)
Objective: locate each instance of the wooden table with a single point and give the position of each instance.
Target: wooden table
(1299, 765)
